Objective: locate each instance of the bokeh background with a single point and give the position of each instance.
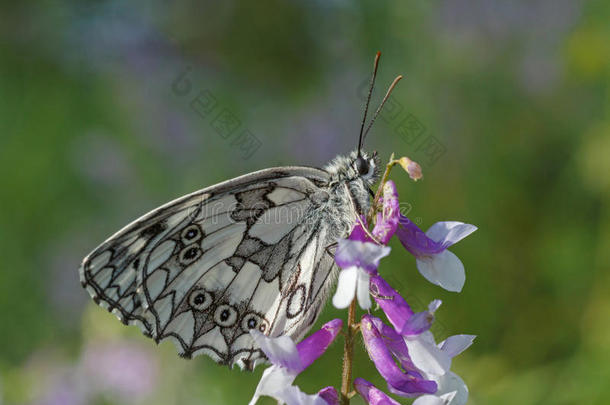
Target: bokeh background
(505, 105)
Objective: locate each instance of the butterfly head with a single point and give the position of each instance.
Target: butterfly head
(355, 166)
(367, 167)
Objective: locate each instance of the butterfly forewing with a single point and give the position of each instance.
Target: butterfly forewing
(205, 269)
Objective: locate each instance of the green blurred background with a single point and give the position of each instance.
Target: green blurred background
(514, 94)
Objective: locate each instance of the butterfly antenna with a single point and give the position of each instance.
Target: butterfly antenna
(385, 98)
(368, 101)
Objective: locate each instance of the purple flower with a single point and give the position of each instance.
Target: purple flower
(411, 167)
(395, 344)
(364, 255)
(398, 311)
(423, 350)
(393, 305)
(358, 261)
(288, 360)
(330, 395)
(387, 220)
(407, 381)
(434, 261)
(359, 232)
(420, 351)
(371, 394)
(421, 321)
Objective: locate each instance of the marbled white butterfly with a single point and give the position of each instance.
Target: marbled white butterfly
(252, 252)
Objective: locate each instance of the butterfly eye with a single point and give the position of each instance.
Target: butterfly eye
(200, 300)
(362, 166)
(253, 321)
(225, 316)
(189, 254)
(190, 234)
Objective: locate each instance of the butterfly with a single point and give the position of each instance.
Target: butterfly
(254, 252)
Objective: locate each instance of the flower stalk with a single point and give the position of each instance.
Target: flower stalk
(353, 326)
(405, 353)
(348, 354)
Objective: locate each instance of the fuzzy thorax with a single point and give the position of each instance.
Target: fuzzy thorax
(349, 191)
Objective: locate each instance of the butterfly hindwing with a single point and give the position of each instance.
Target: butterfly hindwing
(110, 273)
(206, 268)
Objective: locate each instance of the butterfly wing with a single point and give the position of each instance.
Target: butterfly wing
(204, 269)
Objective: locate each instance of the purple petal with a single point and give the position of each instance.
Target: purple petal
(444, 269)
(399, 382)
(393, 305)
(358, 232)
(330, 395)
(416, 385)
(280, 351)
(313, 346)
(371, 394)
(448, 233)
(365, 255)
(395, 344)
(418, 323)
(387, 220)
(415, 240)
(421, 321)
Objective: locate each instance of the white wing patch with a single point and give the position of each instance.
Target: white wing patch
(285, 195)
(278, 221)
(205, 269)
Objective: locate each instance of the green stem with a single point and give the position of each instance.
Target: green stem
(352, 325)
(348, 354)
(384, 179)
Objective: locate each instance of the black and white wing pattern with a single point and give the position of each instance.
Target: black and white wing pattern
(206, 268)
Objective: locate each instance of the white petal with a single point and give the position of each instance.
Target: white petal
(346, 287)
(353, 252)
(281, 351)
(274, 380)
(426, 356)
(451, 384)
(449, 232)
(429, 400)
(449, 397)
(456, 344)
(443, 269)
(444, 399)
(372, 254)
(292, 395)
(363, 289)
(434, 305)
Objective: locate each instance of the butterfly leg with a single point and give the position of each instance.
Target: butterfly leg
(375, 293)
